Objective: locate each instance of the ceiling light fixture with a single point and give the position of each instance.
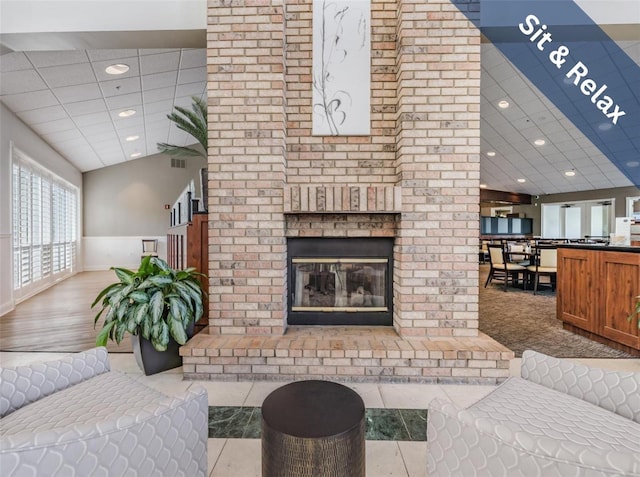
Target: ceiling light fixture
(483, 186)
(491, 153)
(131, 138)
(570, 173)
(633, 164)
(117, 69)
(504, 104)
(539, 142)
(604, 126)
(136, 154)
(126, 113)
(522, 181)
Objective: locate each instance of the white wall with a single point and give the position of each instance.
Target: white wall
(102, 253)
(12, 129)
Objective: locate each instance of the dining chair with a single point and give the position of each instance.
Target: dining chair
(501, 268)
(149, 248)
(546, 264)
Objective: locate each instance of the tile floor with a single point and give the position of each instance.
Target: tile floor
(228, 457)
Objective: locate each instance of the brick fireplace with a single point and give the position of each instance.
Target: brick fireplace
(414, 180)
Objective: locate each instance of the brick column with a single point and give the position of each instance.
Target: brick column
(438, 146)
(247, 250)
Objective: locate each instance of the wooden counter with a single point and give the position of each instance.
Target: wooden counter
(596, 290)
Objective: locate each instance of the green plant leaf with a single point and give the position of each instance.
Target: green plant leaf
(157, 306)
(103, 336)
(104, 292)
(161, 264)
(146, 329)
(177, 330)
(141, 313)
(139, 296)
(119, 332)
(124, 275)
(161, 280)
(131, 323)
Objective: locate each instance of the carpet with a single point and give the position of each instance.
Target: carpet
(521, 320)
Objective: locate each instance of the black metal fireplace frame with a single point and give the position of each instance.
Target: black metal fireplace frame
(356, 247)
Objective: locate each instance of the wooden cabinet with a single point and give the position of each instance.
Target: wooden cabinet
(596, 291)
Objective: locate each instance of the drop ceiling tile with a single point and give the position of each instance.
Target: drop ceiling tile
(125, 101)
(165, 106)
(159, 63)
(192, 75)
(68, 75)
(101, 117)
(96, 131)
(191, 89)
(160, 94)
(62, 136)
(73, 94)
(159, 80)
(103, 55)
(192, 58)
(14, 61)
(41, 59)
(42, 115)
(156, 51)
(24, 81)
(120, 86)
(127, 123)
(54, 126)
(82, 108)
(157, 117)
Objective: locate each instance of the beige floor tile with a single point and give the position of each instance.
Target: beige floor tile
(239, 458)
(225, 393)
(410, 396)
(370, 394)
(465, 396)
(260, 390)
(10, 359)
(414, 455)
(125, 363)
(384, 459)
(214, 448)
(167, 383)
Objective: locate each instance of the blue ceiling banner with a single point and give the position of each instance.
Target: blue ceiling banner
(575, 64)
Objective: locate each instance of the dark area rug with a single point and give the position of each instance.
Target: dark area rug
(521, 320)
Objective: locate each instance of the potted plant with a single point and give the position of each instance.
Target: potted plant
(157, 305)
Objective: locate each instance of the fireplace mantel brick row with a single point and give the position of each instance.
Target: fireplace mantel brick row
(415, 179)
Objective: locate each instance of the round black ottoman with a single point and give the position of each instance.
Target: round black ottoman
(313, 429)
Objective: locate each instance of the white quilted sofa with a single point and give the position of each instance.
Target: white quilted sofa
(559, 419)
(75, 417)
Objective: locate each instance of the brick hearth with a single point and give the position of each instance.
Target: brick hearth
(358, 354)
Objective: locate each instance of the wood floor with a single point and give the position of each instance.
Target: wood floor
(60, 318)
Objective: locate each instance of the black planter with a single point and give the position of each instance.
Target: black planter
(152, 361)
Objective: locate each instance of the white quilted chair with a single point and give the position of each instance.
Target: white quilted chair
(75, 417)
(559, 419)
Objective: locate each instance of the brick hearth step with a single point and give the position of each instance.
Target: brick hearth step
(347, 354)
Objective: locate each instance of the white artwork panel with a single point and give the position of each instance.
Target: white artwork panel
(341, 67)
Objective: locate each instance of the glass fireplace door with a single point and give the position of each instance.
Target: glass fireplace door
(340, 281)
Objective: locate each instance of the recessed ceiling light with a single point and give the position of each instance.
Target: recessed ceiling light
(522, 181)
(126, 113)
(491, 153)
(136, 154)
(604, 126)
(570, 173)
(132, 138)
(483, 186)
(539, 142)
(503, 104)
(117, 69)
(633, 164)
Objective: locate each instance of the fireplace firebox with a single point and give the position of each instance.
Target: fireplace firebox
(340, 281)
